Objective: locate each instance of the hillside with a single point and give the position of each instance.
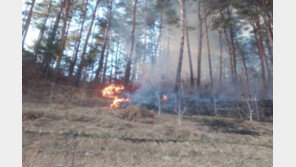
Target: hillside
(68, 135)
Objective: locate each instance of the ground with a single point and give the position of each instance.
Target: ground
(69, 135)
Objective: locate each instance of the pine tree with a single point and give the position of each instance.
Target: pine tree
(27, 23)
(82, 63)
(129, 57)
(179, 68)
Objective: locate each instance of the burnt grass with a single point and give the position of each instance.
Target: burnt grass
(227, 109)
(228, 127)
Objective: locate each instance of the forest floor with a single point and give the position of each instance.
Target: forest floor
(69, 135)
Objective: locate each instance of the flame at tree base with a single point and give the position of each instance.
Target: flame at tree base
(164, 98)
(112, 92)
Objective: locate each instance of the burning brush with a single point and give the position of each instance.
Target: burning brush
(112, 91)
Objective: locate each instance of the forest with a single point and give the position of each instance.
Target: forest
(207, 62)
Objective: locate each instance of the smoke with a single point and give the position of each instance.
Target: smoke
(159, 78)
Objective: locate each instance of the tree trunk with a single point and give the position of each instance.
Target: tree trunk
(159, 36)
(250, 110)
(24, 15)
(106, 36)
(69, 25)
(63, 41)
(118, 50)
(258, 35)
(81, 65)
(232, 44)
(105, 64)
(27, 24)
(145, 32)
(129, 61)
(179, 69)
(153, 45)
(244, 62)
(136, 62)
(190, 59)
(229, 48)
(221, 54)
(112, 63)
(41, 33)
(73, 62)
(209, 51)
(168, 44)
(268, 30)
(50, 41)
(199, 46)
(230, 55)
(269, 51)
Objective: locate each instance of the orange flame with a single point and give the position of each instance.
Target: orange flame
(164, 97)
(111, 92)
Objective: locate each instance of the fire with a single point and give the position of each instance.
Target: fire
(164, 97)
(112, 92)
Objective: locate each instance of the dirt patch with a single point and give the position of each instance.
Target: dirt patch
(31, 115)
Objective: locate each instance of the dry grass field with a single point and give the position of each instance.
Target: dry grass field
(69, 135)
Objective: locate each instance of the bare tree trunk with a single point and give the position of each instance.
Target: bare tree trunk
(153, 46)
(215, 107)
(42, 30)
(244, 62)
(106, 36)
(250, 111)
(267, 20)
(257, 110)
(136, 62)
(221, 54)
(24, 15)
(232, 45)
(179, 118)
(27, 24)
(261, 45)
(229, 48)
(190, 59)
(50, 41)
(63, 41)
(145, 32)
(268, 30)
(159, 36)
(168, 45)
(179, 69)
(106, 63)
(112, 64)
(230, 54)
(116, 60)
(129, 57)
(209, 51)
(270, 52)
(81, 65)
(73, 62)
(199, 46)
(258, 35)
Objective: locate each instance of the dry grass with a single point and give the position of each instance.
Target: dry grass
(136, 137)
(134, 113)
